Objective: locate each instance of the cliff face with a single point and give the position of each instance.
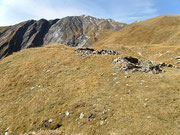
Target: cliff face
(72, 31)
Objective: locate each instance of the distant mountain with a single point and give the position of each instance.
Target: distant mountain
(72, 31)
(158, 30)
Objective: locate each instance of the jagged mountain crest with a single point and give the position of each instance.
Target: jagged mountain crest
(72, 31)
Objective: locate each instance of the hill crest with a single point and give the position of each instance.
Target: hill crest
(157, 30)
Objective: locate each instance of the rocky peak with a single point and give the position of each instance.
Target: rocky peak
(72, 31)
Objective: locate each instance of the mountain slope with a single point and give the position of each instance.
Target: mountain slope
(72, 31)
(158, 30)
(106, 89)
(53, 88)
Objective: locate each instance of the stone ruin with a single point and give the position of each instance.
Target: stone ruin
(135, 64)
(127, 63)
(178, 60)
(90, 52)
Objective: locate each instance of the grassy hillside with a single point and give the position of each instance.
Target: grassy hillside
(52, 89)
(158, 30)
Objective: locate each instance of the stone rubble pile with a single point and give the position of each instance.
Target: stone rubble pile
(135, 64)
(178, 60)
(90, 52)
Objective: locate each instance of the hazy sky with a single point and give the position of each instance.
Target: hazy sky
(128, 11)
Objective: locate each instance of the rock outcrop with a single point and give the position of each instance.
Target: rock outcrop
(72, 31)
(90, 51)
(146, 66)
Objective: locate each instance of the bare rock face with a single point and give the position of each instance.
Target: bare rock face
(72, 31)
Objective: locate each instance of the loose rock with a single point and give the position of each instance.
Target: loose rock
(67, 113)
(81, 115)
(90, 52)
(101, 122)
(178, 58)
(50, 120)
(135, 64)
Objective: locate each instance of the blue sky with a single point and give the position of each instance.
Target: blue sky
(128, 11)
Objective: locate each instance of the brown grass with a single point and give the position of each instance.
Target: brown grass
(144, 104)
(158, 30)
(50, 132)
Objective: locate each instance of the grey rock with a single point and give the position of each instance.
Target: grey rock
(90, 51)
(72, 31)
(134, 64)
(81, 115)
(50, 120)
(126, 77)
(101, 122)
(178, 58)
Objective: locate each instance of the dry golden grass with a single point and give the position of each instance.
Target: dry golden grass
(40, 84)
(162, 29)
(49, 132)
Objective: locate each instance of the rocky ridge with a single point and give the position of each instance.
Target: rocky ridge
(72, 31)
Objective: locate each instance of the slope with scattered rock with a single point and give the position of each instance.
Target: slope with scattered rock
(54, 90)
